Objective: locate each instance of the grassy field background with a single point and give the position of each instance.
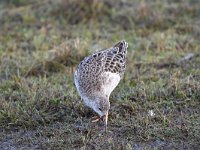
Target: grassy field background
(156, 105)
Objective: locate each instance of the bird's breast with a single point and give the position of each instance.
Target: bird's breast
(111, 80)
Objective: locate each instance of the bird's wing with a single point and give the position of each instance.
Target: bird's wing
(116, 58)
(109, 60)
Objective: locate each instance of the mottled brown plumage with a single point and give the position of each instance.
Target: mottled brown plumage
(98, 75)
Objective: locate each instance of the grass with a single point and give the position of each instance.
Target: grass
(156, 105)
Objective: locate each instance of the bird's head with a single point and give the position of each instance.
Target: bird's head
(101, 106)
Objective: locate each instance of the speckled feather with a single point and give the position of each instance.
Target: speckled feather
(99, 73)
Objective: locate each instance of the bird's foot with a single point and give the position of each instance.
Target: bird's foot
(95, 119)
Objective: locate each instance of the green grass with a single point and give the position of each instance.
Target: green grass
(156, 105)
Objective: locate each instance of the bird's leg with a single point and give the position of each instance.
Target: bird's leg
(95, 119)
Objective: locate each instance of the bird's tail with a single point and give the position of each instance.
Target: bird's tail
(122, 45)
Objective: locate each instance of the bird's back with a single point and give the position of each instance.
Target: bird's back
(97, 70)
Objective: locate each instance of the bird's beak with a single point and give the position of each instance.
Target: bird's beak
(106, 121)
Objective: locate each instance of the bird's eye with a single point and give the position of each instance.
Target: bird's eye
(100, 109)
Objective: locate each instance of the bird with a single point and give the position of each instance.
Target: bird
(97, 76)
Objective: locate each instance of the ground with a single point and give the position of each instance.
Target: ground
(155, 106)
